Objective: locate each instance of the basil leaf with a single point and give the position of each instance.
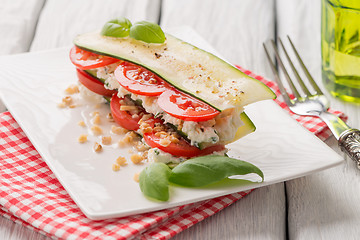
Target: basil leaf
(154, 182)
(147, 32)
(201, 171)
(119, 27)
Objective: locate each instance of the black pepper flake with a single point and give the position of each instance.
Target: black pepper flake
(157, 55)
(165, 49)
(132, 51)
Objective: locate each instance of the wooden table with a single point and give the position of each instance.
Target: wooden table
(319, 206)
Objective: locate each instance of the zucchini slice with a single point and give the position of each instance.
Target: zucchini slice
(186, 67)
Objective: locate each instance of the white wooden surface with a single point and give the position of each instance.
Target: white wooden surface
(320, 206)
(324, 205)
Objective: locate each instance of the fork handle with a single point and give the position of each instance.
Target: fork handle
(349, 143)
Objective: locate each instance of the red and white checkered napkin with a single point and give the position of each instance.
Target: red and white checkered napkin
(31, 195)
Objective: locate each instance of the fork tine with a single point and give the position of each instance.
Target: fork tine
(311, 80)
(302, 85)
(292, 86)
(277, 79)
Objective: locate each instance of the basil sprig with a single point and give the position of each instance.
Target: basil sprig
(195, 172)
(154, 182)
(144, 31)
(201, 171)
(147, 32)
(119, 27)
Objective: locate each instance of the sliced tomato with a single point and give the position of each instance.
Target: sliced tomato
(180, 149)
(186, 107)
(139, 80)
(123, 118)
(93, 84)
(87, 60)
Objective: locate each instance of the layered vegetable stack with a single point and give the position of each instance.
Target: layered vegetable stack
(183, 101)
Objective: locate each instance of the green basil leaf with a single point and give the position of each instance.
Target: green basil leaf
(201, 171)
(154, 182)
(119, 27)
(147, 32)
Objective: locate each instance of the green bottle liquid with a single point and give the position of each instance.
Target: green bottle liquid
(340, 47)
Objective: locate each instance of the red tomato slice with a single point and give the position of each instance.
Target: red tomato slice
(186, 107)
(139, 80)
(180, 149)
(93, 84)
(123, 118)
(87, 60)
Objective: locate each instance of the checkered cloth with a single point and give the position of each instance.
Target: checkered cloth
(31, 195)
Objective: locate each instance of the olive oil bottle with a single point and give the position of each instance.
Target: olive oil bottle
(340, 46)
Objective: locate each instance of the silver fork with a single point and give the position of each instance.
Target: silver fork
(314, 104)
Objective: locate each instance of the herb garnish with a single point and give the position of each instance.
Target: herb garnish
(144, 31)
(201, 171)
(195, 172)
(119, 27)
(153, 181)
(147, 32)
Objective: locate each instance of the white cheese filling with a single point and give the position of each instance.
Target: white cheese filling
(218, 130)
(157, 155)
(89, 95)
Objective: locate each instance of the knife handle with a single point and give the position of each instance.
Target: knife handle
(349, 143)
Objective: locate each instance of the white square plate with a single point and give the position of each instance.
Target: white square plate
(32, 85)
